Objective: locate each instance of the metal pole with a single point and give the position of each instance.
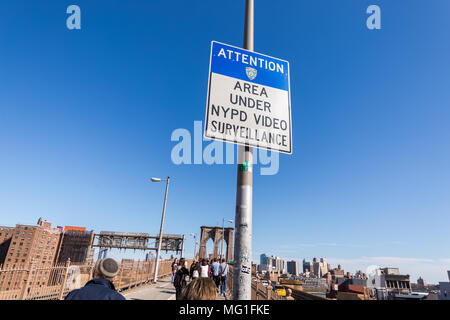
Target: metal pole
(63, 284)
(182, 248)
(195, 245)
(223, 238)
(90, 254)
(155, 276)
(243, 224)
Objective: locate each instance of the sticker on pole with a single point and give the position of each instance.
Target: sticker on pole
(248, 99)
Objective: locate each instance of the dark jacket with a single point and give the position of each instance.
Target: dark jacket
(96, 289)
(179, 280)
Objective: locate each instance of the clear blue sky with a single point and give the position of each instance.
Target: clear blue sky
(86, 118)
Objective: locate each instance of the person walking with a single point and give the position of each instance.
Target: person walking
(174, 267)
(195, 270)
(223, 273)
(204, 269)
(215, 272)
(101, 287)
(181, 278)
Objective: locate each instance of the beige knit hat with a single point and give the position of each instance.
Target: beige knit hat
(107, 267)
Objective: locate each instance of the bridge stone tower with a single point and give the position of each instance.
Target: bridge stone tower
(215, 233)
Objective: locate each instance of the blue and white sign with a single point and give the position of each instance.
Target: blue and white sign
(248, 99)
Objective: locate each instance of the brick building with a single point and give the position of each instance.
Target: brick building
(337, 273)
(421, 283)
(75, 245)
(24, 244)
(5, 240)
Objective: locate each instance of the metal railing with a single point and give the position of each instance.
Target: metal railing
(259, 291)
(36, 282)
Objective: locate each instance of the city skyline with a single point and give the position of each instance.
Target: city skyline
(364, 264)
(87, 117)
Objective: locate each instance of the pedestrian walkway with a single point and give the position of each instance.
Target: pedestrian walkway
(219, 297)
(163, 290)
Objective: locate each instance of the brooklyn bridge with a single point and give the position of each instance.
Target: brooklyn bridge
(41, 262)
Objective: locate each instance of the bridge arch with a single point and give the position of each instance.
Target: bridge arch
(215, 233)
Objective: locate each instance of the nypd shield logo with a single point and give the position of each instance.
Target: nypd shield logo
(251, 73)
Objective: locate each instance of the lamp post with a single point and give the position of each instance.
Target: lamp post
(155, 273)
(195, 243)
(223, 235)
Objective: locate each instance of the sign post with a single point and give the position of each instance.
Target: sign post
(248, 99)
(242, 279)
(249, 105)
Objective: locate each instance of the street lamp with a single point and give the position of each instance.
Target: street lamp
(155, 273)
(195, 242)
(223, 234)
